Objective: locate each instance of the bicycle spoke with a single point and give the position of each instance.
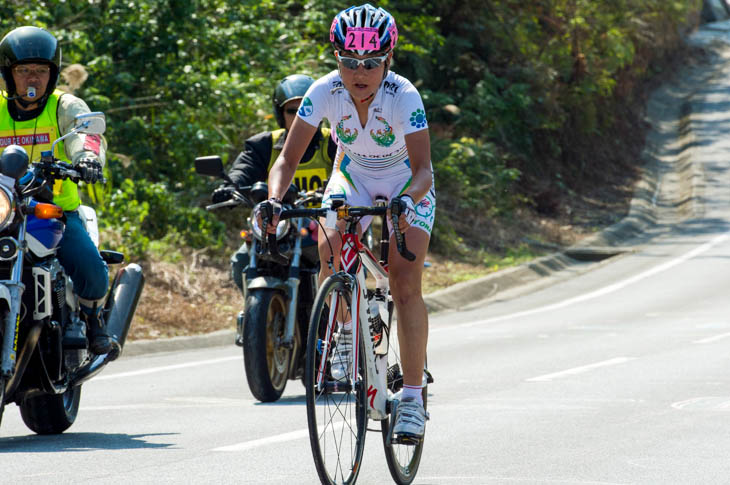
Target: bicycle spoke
(335, 409)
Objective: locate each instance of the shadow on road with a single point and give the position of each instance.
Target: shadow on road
(79, 442)
(285, 401)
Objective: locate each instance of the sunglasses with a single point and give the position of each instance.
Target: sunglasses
(369, 63)
(291, 111)
(27, 71)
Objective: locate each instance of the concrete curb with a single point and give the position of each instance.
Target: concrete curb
(667, 155)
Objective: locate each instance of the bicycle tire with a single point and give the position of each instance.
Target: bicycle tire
(337, 419)
(403, 460)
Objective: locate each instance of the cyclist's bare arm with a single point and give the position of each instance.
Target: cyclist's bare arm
(282, 172)
(419, 156)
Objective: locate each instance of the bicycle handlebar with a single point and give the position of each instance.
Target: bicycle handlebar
(345, 212)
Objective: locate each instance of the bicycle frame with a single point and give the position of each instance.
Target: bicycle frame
(355, 257)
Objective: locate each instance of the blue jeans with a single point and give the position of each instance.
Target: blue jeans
(81, 260)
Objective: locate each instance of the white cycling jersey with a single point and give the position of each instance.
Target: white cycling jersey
(373, 160)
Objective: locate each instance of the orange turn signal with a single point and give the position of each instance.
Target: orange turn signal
(47, 211)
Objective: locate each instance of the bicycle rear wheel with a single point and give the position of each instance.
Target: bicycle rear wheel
(336, 411)
(403, 459)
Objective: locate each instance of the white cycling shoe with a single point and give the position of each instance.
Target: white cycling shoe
(342, 356)
(410, 419)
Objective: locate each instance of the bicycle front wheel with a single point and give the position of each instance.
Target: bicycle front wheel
(403, 458)
(336, 410)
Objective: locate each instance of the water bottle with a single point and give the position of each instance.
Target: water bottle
(378, 328)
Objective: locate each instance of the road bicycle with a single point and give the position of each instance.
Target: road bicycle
(338, 410)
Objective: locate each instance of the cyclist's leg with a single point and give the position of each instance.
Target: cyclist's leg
(338, 187)
(405, 286)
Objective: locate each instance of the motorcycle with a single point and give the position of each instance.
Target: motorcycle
(278, 289)
(44, 356)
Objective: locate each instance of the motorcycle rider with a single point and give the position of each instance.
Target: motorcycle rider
(260, 152)
(33, 113)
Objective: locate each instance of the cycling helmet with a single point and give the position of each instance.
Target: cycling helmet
(290, 88)
(26, 45)
(377, 31)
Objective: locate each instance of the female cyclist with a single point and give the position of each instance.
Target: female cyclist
(384, 149)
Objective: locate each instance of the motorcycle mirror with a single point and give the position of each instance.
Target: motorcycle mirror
(210, 165)
(93, 123)
(14, 161)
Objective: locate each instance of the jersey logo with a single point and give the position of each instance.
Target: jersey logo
(425, 207)
(418, 118)
(391, 88)
(385, 137)
(345, 134)
(306, 108)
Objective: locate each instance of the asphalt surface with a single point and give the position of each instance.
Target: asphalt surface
(668, 192)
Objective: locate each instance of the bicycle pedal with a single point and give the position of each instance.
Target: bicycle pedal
(406, 439)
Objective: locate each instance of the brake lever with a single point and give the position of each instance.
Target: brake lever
(273, 247)
(400, 238)
(227, 203)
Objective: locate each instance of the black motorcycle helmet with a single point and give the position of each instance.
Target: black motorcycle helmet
(289, 88)
(26, 45)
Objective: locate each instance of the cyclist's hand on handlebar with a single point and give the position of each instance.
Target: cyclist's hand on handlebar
(407, 211)
(269, 210)
(222, 194)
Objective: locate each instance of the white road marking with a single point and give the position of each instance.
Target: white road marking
(482, 479)
(712, 403)
(153, 370)
(279, 438)
(581, 369)
(712, 339)
(605, 290)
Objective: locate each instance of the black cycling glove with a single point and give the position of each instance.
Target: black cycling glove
(90, 170)
(222, 194)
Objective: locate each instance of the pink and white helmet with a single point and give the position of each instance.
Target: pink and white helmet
(363, 30)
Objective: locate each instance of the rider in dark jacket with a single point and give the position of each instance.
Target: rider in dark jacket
(261, 150)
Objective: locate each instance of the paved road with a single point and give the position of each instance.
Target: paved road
(619, 374)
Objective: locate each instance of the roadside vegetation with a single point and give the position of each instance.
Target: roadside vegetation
(534, 108)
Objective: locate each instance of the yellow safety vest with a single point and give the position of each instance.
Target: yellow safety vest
(37, 135)
(310, 175)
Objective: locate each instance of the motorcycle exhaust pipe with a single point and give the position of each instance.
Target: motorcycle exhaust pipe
(124, 296)
(120, 307)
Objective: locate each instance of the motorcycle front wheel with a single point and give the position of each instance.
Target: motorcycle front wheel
(51, 413)
(265, 359)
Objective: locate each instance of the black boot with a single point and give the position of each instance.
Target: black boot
(99, 341)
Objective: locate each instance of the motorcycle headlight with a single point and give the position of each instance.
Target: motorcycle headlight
(7, 207)
(281, 229)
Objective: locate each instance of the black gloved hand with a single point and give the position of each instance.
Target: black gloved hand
(90, 170)
(407, 208)
(222, 194)
(269, 210)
